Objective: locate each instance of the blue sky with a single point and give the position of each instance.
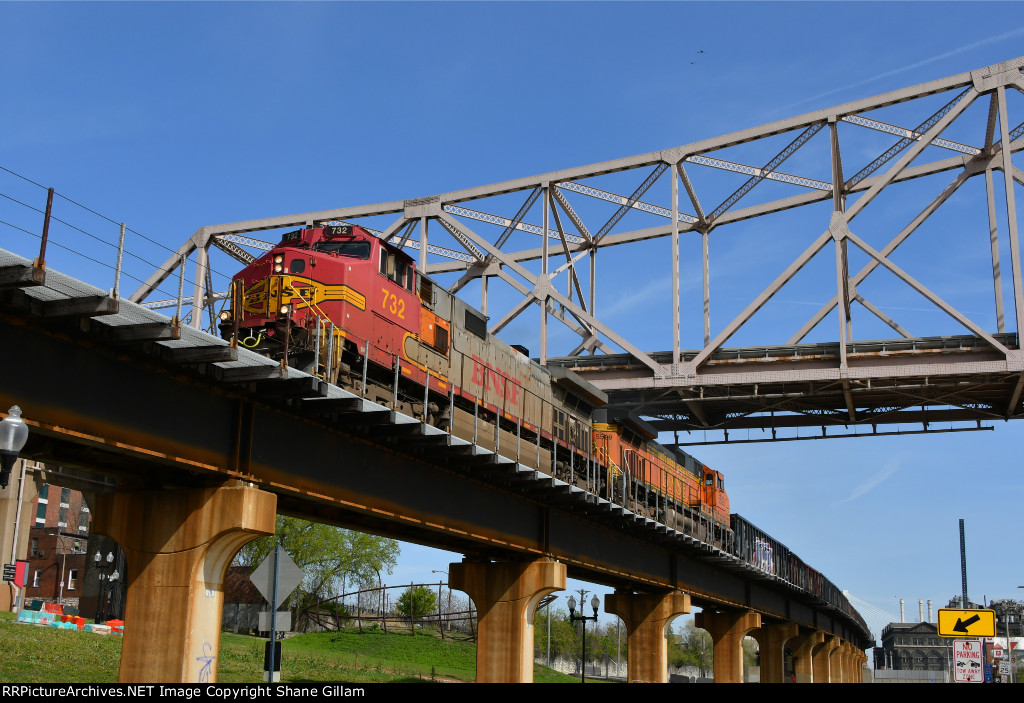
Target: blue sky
(170, 116)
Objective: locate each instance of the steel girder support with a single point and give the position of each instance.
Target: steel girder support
(775, 206)
(969, 170)
(233, 250)
(839, 223)
(173, 261)
(542, 290)
(934, 299)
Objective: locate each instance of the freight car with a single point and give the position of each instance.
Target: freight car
(342, 304)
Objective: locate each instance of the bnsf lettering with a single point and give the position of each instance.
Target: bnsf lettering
(486, 375)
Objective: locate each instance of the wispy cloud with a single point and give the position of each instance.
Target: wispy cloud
(911, 66)
(889, 469)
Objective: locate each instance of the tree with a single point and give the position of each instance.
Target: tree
(326, 555)
(416, 602)
(697, 647)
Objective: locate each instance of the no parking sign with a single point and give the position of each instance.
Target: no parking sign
(967, 664)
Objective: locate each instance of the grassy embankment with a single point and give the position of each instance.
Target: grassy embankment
(32, 654)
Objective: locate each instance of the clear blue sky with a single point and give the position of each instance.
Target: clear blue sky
(170, 116)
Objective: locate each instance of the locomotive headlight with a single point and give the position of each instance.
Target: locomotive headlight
(285, 308)
(278, 258)
(225, 316)
(278, 268)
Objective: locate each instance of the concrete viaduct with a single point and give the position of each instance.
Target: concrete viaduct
(203, 444)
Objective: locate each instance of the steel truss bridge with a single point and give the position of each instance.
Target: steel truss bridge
(891, 162)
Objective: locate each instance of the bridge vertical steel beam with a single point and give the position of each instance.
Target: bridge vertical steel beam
(727, 630)
(993, 235)
(802, 646)
(506, 595)
(821, 655)
(546, 208)
(771, 640)
(1011, 211)
(202, 263)
(178, 545)
(647, 617)
(675, 268)
(423, 244)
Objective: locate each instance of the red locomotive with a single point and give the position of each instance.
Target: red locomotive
(339, 303)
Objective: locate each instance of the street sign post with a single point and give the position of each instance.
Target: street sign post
(275, 579)
(967, 662)
(956, 622)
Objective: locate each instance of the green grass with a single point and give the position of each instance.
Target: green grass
(30, 654)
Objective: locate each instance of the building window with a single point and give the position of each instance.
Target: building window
(35, 579)
(35, 546)
(72, 578)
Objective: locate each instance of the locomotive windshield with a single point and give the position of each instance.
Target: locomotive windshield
(355, 250)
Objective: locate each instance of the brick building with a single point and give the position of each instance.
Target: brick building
(912, 646)
(51, 530)
(57, 546)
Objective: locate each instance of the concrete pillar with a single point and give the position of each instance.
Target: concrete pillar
(853, 662)
(178, 545)
(836, 668)
(802, 645)
(647, 617)
(506, 595)
(771, 640)
(727, 630)
(821, 655)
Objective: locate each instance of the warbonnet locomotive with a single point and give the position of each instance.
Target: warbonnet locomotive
(340, 303)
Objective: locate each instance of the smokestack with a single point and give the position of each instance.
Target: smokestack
(920, 610)
(929, 610)
(902, 618)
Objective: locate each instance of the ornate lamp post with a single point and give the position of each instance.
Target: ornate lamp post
(573, 617)
(112, 610)
(13, 435)
(102, 564)
(63, 564)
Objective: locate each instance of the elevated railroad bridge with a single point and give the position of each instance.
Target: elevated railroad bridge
(199, 445)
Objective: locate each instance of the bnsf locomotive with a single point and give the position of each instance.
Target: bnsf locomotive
(338, 302)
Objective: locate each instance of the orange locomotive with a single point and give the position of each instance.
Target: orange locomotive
(689, 496)
(337, 302)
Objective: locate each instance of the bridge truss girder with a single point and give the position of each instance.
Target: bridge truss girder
(566, 204)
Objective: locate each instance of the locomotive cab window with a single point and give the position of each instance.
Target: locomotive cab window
(298, 265)
(352, 250)
(709, 480)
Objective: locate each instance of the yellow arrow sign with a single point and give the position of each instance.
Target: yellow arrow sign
(954, 622)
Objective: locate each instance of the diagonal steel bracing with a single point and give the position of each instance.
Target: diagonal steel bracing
(614, 203)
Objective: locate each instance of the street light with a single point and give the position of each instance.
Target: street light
(13, 435)
(102, 565)
(573, 617)
(63, 564)
(112, 594)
